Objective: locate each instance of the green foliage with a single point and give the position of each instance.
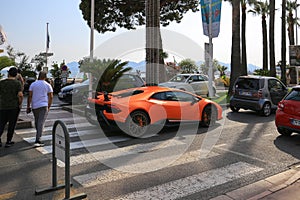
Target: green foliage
(204, 68)
(188, 66)
(222, 69)
(6, 62)
(130, 14)
(55, 71)
(28, 74)
(261, 72)
(107, 72)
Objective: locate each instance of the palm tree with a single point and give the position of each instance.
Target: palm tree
(262, 8)
(108, 72)
(291, 6)
(271, 38)
(283, 42)
(235, 46)
(244, 51)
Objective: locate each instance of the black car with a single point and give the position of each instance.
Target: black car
(78, 93)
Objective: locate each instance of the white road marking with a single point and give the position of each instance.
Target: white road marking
(49, 128)
(101, 177)
(246, 139)
(71, 134)
(195, 183)
(86, 143)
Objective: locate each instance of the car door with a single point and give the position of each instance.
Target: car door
(199, 85)
(277, 90)
(183, 108)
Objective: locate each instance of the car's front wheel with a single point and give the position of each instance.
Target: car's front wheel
(137, 124)
(209, 116)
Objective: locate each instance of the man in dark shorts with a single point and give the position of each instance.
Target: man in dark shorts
(11, 98)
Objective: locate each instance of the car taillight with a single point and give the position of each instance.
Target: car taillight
(259, 94)
(280, 105)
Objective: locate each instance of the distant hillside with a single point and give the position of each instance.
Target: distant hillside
(142, 66)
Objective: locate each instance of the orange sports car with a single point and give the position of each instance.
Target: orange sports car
(139, 108)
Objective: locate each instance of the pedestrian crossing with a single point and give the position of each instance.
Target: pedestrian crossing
(129, 161)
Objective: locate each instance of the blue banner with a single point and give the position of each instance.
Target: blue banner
(216, 16)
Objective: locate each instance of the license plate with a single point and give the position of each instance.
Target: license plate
(245, 93)
(295, 122)
(61, 95)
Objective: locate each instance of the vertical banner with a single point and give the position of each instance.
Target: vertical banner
(2, 36)
(216, 16)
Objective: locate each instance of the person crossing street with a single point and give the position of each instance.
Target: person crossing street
(40, 98)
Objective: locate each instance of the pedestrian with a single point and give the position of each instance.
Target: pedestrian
(11, 98)
(40, 98)
(20, 78)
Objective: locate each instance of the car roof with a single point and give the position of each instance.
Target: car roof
(257, 77)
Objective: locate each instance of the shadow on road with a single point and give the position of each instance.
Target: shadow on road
(290, 145)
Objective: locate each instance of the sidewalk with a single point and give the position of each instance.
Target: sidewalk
(283, 186)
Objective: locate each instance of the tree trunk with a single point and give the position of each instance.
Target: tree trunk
(244, 70)
(155, 70)
(291, 35)
(265, 43)
(283, 42)
(235, 47)
(271, 38)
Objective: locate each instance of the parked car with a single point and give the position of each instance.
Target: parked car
(195, 83)
(287, 118)
(258, 93)
(140, 109)
(78, 93)
(28, 82)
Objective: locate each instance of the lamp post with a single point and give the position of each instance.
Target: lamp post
(91, 46)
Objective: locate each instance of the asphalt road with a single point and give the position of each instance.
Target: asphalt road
(183, 162)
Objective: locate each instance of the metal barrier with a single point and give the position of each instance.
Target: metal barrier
(61, 151)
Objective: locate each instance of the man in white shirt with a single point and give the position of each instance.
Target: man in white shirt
(40, 98)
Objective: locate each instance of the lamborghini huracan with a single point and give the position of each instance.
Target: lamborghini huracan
(137, 109)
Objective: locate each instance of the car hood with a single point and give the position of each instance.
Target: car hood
(73, 86)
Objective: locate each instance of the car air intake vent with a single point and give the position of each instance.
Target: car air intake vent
(131, 93)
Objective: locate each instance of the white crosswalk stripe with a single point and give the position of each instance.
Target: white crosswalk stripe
(193, 184)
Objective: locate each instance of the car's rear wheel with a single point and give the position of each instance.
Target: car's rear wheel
(137, 124)
(209, 116)
(266, 110)
(284, 132)
(234, 109)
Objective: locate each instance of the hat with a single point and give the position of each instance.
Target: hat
(13, 72)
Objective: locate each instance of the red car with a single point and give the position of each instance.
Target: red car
(288, 113)
(136, 109)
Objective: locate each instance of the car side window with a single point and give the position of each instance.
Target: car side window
(275, 85)
(182, 96)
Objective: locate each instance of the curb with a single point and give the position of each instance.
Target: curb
(263, 188)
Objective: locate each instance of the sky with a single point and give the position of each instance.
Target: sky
(24, 23)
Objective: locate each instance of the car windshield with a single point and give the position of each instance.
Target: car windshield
(179, 78)
(294, 95)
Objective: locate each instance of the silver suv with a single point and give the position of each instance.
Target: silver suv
(195, 83)
(258, 93)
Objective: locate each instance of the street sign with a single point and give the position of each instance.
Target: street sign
(46, 54)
